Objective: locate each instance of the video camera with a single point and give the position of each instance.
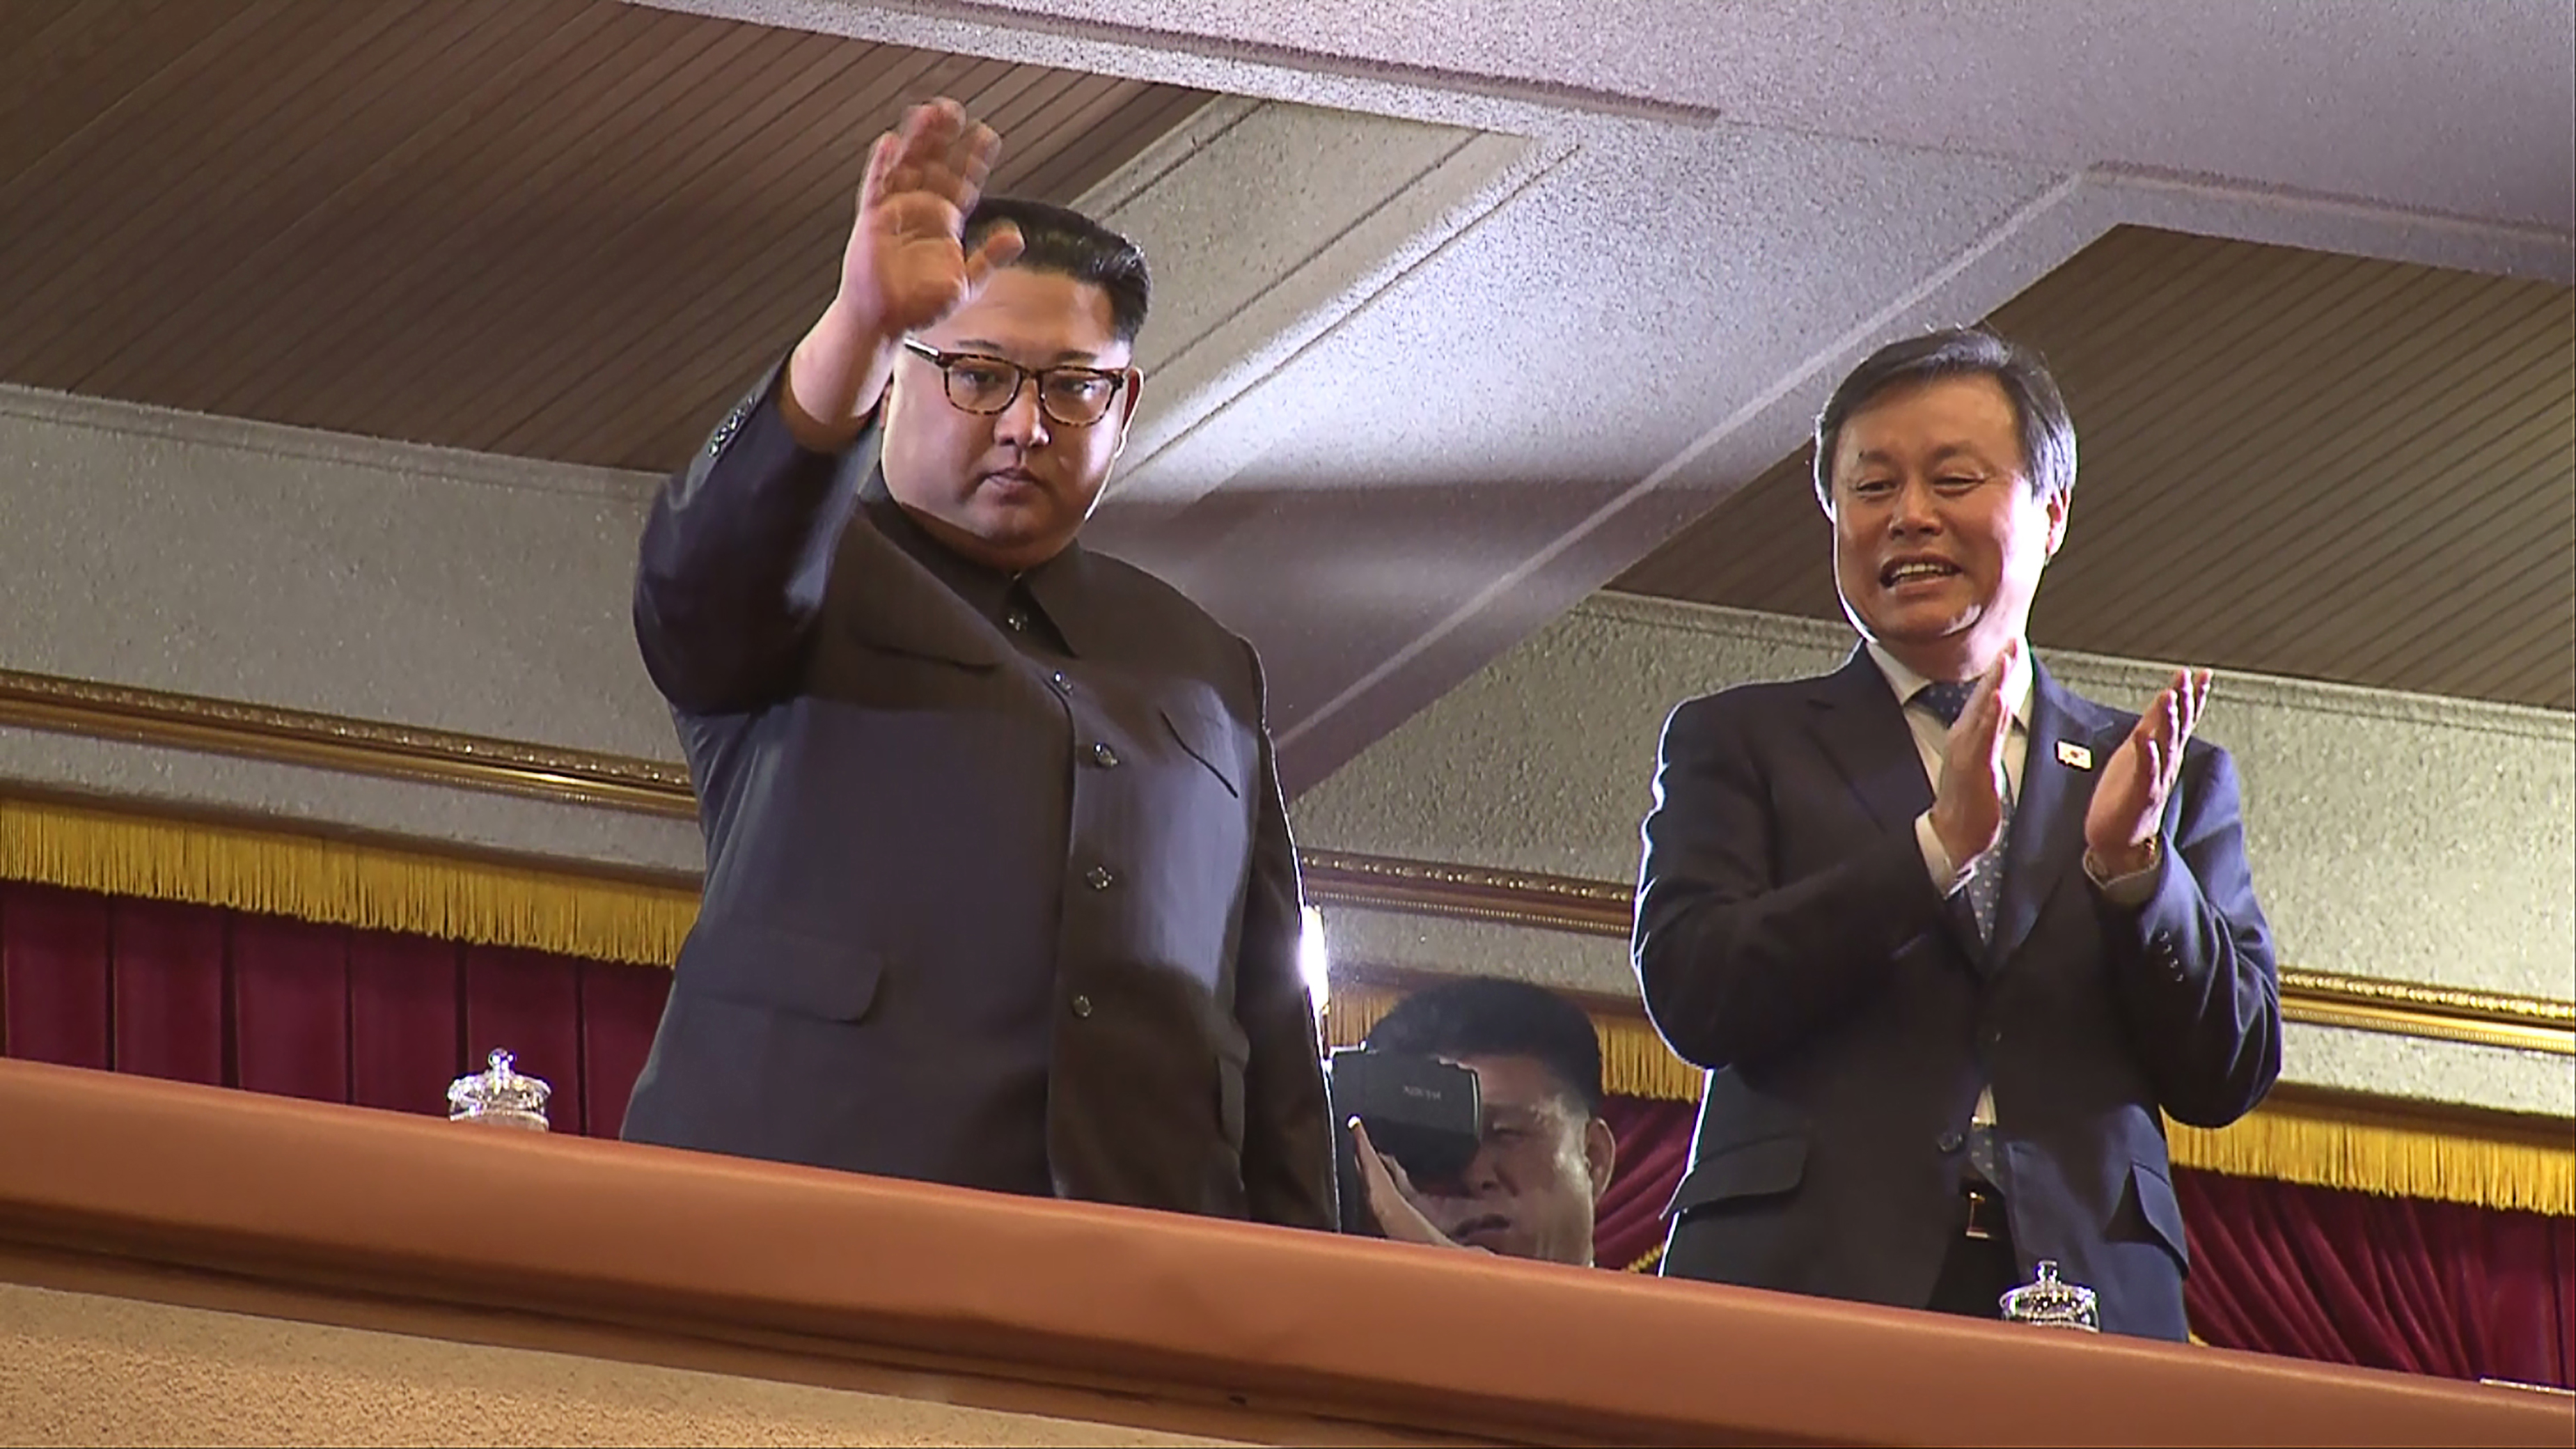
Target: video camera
(1422, 1112)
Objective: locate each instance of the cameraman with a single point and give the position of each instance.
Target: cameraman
(1546, 1155)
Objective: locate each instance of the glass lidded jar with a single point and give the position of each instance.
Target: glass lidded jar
(2049, 1302)
(499, 1096)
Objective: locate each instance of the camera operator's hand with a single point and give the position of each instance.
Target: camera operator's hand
(1392, 1200)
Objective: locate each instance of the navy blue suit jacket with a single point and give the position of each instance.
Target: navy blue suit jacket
(1790, 940)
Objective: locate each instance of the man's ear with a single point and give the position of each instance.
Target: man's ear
(1600, 1155)
(1127, 397)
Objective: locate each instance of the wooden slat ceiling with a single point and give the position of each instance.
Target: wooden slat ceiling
(2292, 463)
(562, 229)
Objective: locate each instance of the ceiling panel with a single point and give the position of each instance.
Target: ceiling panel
(563, 229)
(2292, 463)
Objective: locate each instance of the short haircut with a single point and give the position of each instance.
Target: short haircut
(1063, 241)
(2047, 433)
(1480, 1016)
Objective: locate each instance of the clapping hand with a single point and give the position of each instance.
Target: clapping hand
(1968, 804)
(2129, 804)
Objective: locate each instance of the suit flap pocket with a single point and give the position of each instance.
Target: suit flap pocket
(2156, 1203)
(782, 971)
(1749, 1169)
(886, 601)
(944, 641)
(1209, 734)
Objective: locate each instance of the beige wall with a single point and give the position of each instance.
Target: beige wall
(2395, 836)
(455, 591)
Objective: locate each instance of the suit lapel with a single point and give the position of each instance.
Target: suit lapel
(2048, 816)
(1863, 731)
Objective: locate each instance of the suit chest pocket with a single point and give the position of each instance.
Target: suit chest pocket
(1178, 804)
(897, 661)
(1209, 736)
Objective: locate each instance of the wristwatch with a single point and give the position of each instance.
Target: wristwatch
(2094, 867)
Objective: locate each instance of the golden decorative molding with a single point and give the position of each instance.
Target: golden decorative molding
(2446, 1013)
(1467, 892)
(1527, 899)
(333, 742)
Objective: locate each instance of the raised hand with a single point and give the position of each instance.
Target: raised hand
(1968, 803)
(1391, 1198)
(905, 268)
(2120, 825)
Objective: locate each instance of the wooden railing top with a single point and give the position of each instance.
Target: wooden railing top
(201, 1178)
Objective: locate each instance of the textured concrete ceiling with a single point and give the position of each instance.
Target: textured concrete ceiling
(1559, 278)
(1737, 201)
(2451, 106)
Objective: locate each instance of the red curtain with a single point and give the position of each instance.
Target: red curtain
(387, 1021)
(2387, 1282)
(327, 1012)
(1654, 1145)
(2307, 1272)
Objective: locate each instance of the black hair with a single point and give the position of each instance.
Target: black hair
(1063, 241)
(1483, 1016)
(2047, 433)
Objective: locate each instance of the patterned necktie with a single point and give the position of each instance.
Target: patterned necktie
(1985, 888)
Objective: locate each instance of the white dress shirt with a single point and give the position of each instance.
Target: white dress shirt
(1931, 742)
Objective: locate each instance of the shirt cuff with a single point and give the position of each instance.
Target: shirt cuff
(2134, 889)
(1946, 878)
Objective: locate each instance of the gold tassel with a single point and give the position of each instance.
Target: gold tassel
(343, 883)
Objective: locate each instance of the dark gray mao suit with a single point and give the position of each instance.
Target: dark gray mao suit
(1000, 890)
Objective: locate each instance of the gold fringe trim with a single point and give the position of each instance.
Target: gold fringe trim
(2296, 1142)
(2316, 1145)
(457, 898)
(343, 883)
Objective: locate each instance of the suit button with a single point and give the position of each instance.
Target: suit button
(1951, 1141)
(1100, 877)
(1018, 620)
(1082, 1006)
(724, 432)
(1103, 756)
(1060, 684)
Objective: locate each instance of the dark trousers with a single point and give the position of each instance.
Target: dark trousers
(1979, 1269)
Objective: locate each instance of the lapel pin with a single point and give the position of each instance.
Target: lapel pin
(2071, 753)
